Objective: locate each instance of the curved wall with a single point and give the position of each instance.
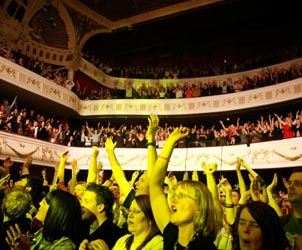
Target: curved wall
(23, 78)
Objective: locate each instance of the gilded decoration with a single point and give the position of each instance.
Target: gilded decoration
(283, 91)
(54, 91)
(33, 82)
(288, 158)
(297, 88)
(49, 154)
(10, 71)
(229, 101)
(22, 155)
(261, 155)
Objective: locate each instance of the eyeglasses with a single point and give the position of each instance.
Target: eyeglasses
(181, 196)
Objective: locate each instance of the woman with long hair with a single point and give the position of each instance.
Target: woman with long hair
(144, 233)
(191, 222)
(258, 227)
(60, 214)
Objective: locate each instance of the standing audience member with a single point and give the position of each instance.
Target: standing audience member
(192, 222)
(293, 222)
(144, 233)
(97, 202)
(61, 227)
(15, 206)
(258, 227)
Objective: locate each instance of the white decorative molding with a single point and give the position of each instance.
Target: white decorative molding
(264, 155)
(23, 78)
(30, 81)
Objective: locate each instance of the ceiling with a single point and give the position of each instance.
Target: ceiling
(213, 26)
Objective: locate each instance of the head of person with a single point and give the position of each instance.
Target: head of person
(34, 185)
(257, 227)
(235, 196)
(193, 203)
(16, 203)
(79, 189)
(285, 206)
(97, 203)
(295, 187)
(43, 207)
(142, 184)
(141, 220)
(114, 188)
(63, 217)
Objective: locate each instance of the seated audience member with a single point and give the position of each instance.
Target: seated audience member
(16, 205)
(193, 221)
(258, 227)
(97, 203)
(61, 217)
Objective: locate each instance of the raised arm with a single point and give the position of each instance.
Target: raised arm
(92, 172)
(74, 173)
(209, 170)
(242, 186)
(152, 154)
(158, 198)
(61, 168)
(271, 200)
(117, 170)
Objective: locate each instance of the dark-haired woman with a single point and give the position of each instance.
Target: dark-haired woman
(60, 213)
(258, 227)
(144, 231)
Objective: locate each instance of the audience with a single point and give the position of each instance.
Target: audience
(187, 214)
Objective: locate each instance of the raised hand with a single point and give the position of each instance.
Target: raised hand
(153, 124)
(110, 145)
(64, 156)
(179, 133)
(209, 168)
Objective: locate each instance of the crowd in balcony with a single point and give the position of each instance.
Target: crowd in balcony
(201, 67)
(268, 76)
(27, 122)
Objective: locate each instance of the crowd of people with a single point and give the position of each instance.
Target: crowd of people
(194, 67)
(153, 210)
(28, 122)
(268, 76)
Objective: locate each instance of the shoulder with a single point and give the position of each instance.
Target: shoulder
(156, 243)
(120, 243)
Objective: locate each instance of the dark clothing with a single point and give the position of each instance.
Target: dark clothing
(130, 197)
(25, 226)
(292, 227)
(108, 232)
(199, 242)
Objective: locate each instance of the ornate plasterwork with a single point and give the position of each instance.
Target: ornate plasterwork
(30, 81)
(273, 154)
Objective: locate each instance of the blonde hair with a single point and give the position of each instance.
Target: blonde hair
(17, 203)
(206, 220)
